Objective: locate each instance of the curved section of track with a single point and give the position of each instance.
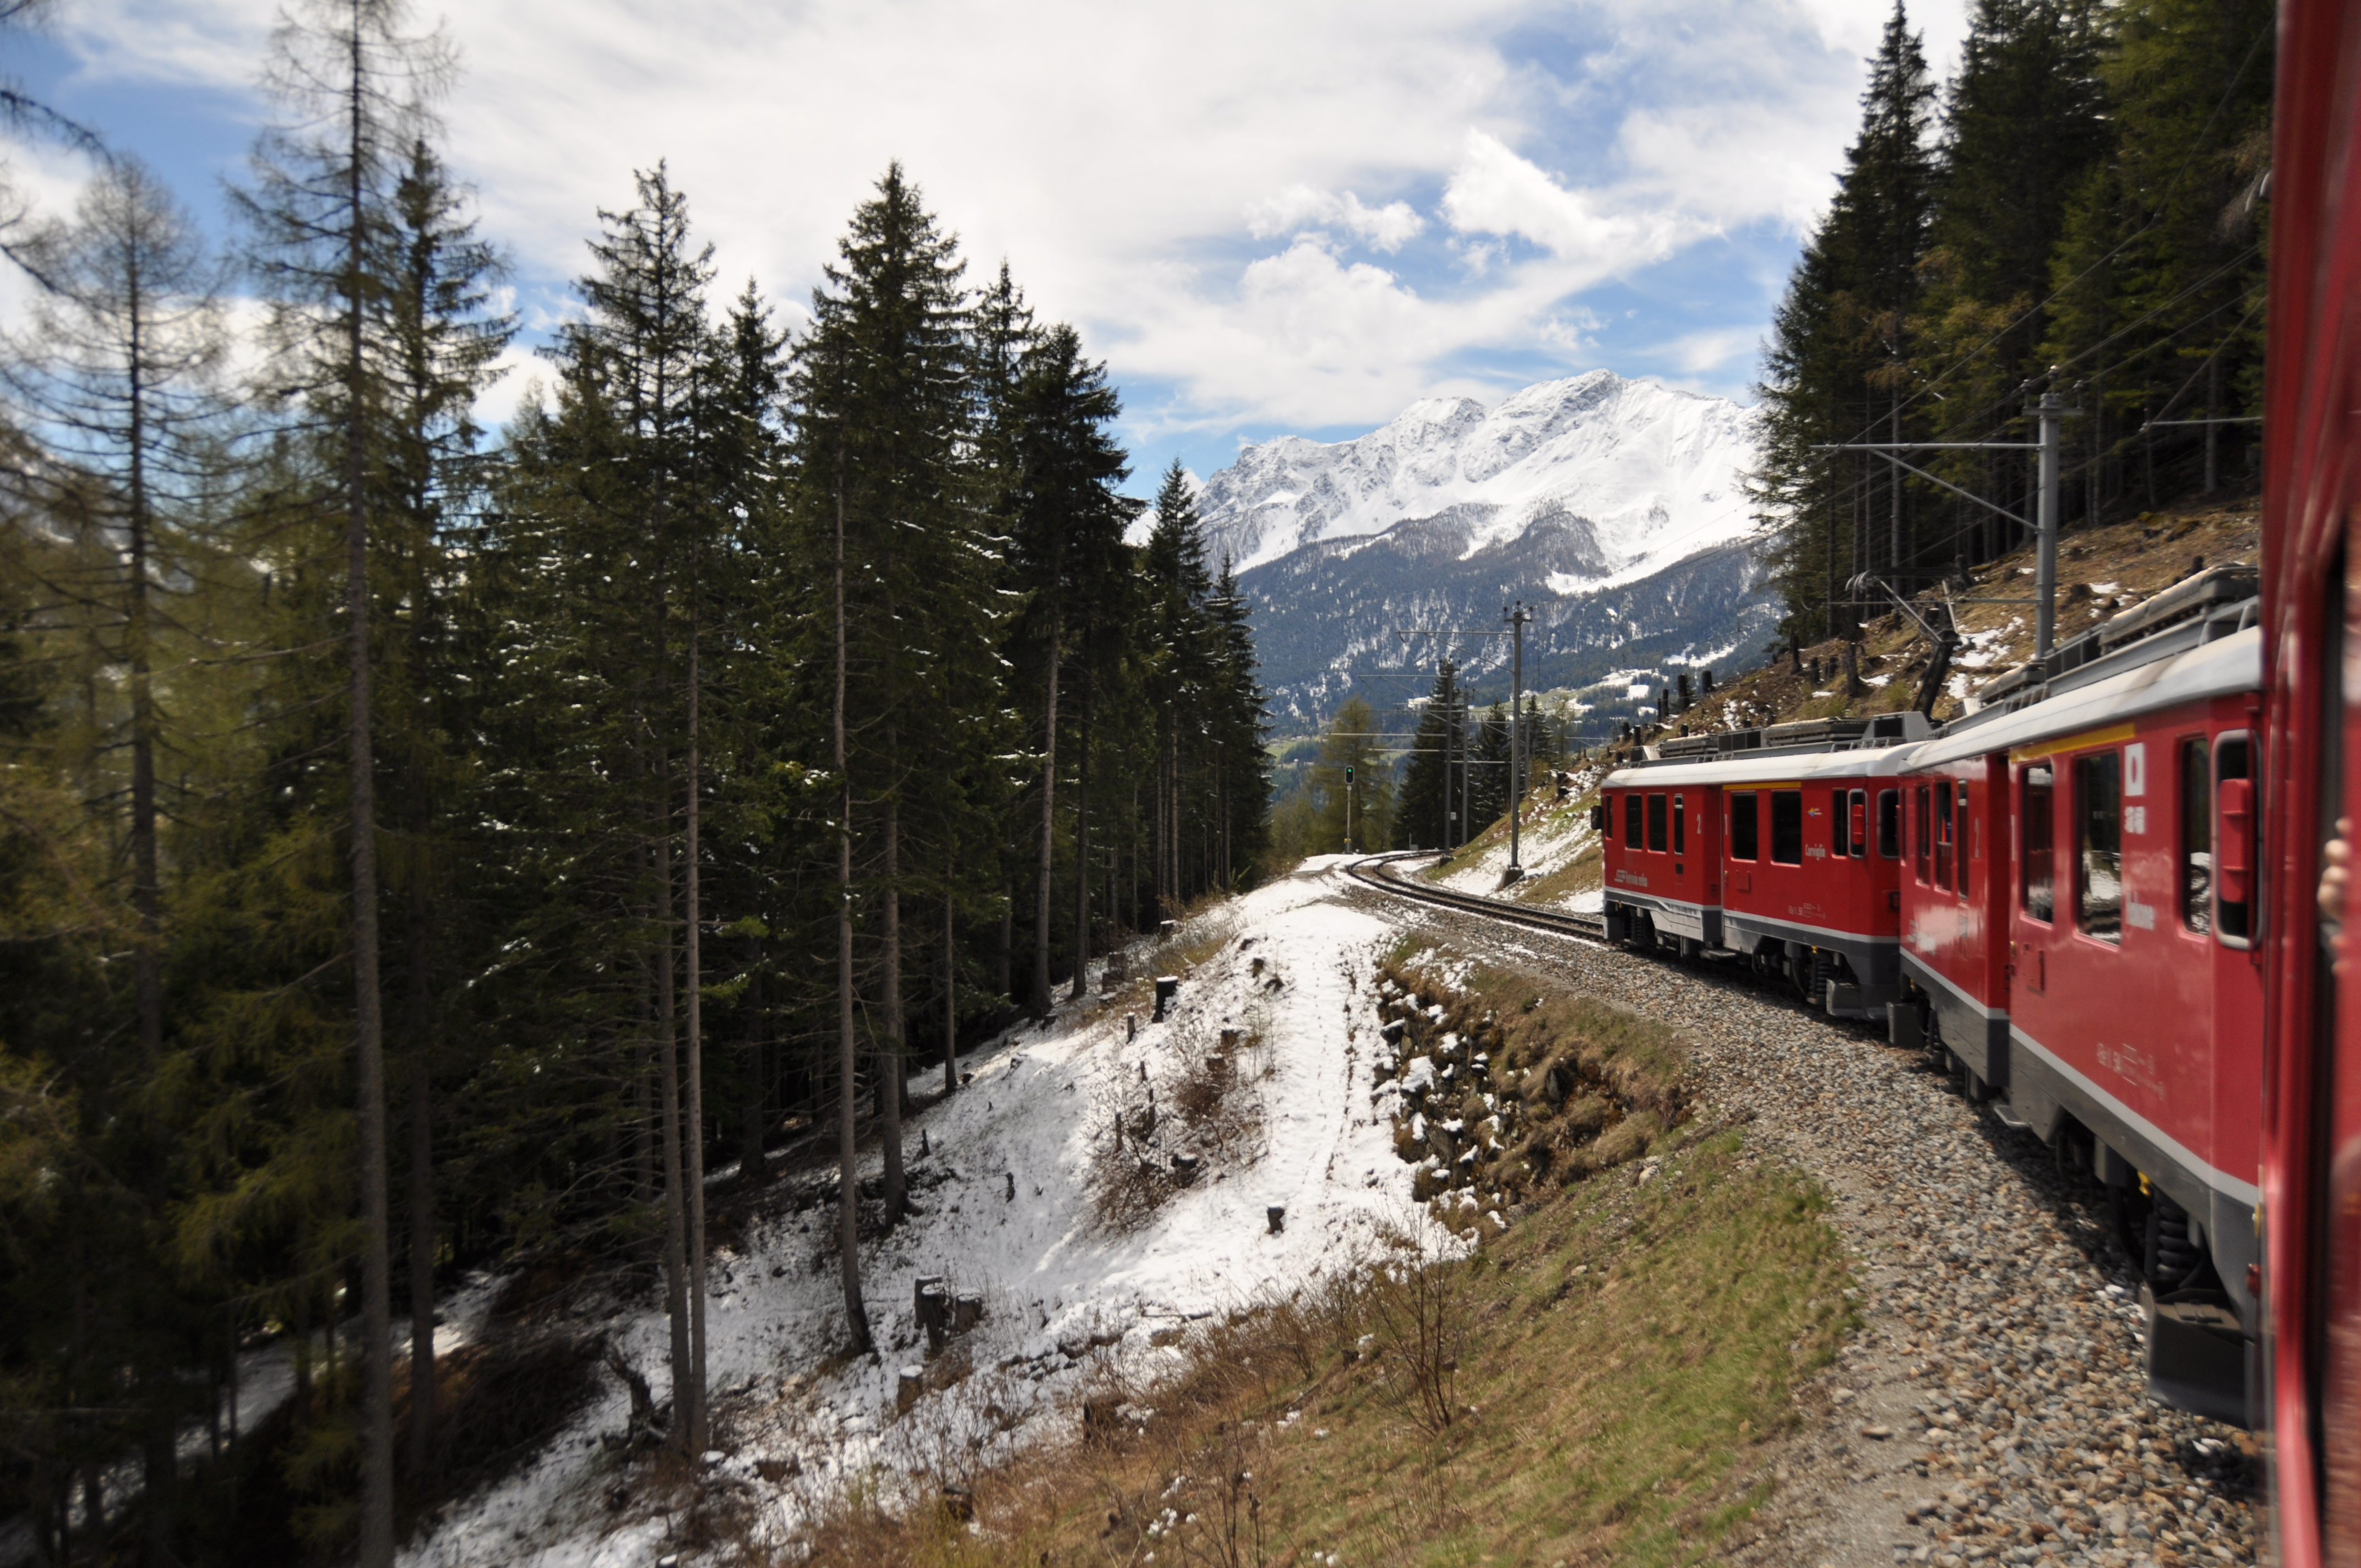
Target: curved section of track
(1376, 871)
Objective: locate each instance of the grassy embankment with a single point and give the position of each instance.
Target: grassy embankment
(1602, 1381)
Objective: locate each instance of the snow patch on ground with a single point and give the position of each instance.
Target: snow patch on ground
(1052, 1278)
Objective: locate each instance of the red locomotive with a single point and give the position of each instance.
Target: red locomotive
(1776, 846)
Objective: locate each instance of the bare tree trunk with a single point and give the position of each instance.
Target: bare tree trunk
(1003, 978)
(161, 1477)
(699, 1428)
(369, 1020)
(147, 888)
(1082, 854)
(421, 1175)
(1048, 828)
(848, 1154)
(676, 1215)
(643, 1089)
(753, 1170)
(950, 995)
(889, 1049)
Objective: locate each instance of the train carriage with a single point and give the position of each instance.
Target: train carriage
(1786, 853)
(2121, 923)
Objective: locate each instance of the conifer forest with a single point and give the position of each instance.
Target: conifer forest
(2083, 209)
(422, 845)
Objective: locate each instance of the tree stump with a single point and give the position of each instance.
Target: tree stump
(932, 1306)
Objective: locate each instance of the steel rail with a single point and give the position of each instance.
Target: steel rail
(1372, 871)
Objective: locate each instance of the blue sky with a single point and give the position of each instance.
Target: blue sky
(1267, 218)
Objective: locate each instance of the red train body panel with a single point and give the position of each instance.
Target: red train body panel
(2310, 1175)
(1663, 856)
(1955, 905)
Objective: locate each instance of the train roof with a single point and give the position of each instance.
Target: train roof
(1868, 755)
(2223, 666)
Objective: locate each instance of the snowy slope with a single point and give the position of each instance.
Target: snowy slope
(1008, 1214)
(1651, 473)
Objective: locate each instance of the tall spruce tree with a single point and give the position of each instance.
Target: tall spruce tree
(1067, 551)
(353, 85)
(646, 333)
(1422, 817)
(1836, 368)
(440, 337)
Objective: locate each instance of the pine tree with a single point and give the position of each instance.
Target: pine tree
(647, 334)
(440, 338)
(1424, 816)
(353, 85)
(2159, 273)
(1067, 551)
(1836, 369)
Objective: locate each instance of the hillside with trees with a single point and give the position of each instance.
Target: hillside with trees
(423, 849)
(2081, 210)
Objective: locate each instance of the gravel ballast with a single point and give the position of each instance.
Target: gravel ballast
(1992, 1408)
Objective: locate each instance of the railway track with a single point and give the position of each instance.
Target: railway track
(1376, 871)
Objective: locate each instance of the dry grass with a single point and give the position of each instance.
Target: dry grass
(1201, 1102)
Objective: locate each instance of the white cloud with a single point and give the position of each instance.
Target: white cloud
(1126, 159)
(1700, 352)
(1495, 192)
(1300, 207)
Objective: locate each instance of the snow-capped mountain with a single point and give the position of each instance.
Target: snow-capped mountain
(1652, 471)
(1610, 507)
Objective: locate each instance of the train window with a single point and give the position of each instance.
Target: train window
(2098, 840)
(1857, 823)
(1745, 826)
(1630, 821)
(1656, 823)
(1889, 824)
(1922, 834)
(1680, 825)
(2236, 834)
(1787, 827)
(1839, 824)
(1960, 837)
(2038, 891)
(2197, 833)
(1942, 835)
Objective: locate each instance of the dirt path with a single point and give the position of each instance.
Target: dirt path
(1991, 1406)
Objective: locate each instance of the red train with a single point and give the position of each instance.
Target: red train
(2119, 895)
(2057, 891)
